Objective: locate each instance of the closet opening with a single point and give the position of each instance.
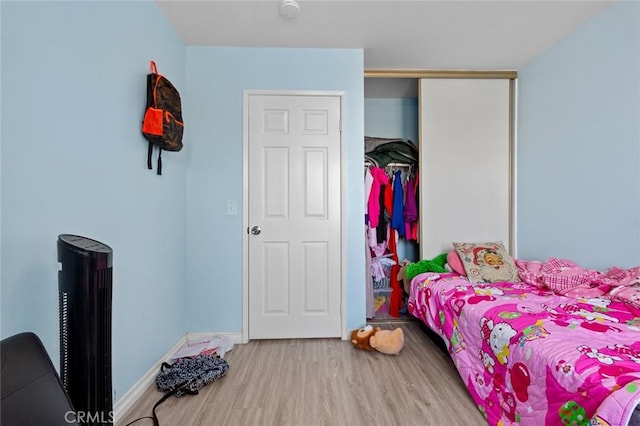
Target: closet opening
(391, 111)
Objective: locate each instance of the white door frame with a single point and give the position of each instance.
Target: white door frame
(245, 200)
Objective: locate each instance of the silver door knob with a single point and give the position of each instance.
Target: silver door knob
(256, 230)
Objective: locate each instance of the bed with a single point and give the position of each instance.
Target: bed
(530, 356)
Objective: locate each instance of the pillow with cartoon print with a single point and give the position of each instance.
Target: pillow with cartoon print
(487, 262)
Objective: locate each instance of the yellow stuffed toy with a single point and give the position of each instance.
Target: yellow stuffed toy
(388, 342)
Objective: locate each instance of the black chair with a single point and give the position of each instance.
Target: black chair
(31, 390)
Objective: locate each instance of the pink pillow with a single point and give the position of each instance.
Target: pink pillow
(453, 259)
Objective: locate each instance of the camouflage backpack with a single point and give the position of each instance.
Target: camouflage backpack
(162, 124)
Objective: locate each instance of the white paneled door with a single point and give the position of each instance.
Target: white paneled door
(294, 274)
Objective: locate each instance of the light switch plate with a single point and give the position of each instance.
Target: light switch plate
(232, 207)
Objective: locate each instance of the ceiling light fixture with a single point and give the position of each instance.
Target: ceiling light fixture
(289, 9)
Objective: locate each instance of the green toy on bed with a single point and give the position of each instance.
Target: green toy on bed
(427, 265)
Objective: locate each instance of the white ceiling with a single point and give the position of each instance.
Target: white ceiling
(447, 34)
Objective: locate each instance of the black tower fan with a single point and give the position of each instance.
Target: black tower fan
(84, 289)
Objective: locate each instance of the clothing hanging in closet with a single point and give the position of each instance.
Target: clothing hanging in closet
(390, 201)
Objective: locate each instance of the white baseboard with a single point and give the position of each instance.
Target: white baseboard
(126, 401)
(194, 337)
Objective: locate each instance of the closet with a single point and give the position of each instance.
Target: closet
(462, 124)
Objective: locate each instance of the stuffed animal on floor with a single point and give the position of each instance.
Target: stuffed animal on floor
(360, 338)
(388, 342)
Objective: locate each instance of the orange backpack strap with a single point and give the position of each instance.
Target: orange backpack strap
(154, 70)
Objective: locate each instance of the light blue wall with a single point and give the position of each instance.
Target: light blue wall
(74, 161)
(216, 79)
(391, 118)
(394, 118)
(579, 145)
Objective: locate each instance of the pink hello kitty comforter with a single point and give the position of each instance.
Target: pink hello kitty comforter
(532, 357)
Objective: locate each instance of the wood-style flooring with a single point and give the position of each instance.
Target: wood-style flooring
(324, 382)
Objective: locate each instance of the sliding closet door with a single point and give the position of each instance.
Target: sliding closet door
(465, 173)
